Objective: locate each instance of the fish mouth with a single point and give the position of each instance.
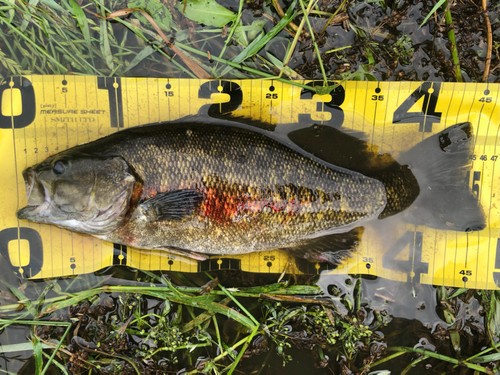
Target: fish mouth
(38, 195)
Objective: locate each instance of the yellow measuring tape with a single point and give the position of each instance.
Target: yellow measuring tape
(42, 115)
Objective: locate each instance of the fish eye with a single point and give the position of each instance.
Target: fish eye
(59, 167)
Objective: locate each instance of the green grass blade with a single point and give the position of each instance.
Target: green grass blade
(454, 48)
(458, 292)
(24, 346)
(242, 351)
(57, 348)
(486, 358)
(237, 303)
(147, 51)
(440, 357)
(433, 10)
(311, 31)
(82, 23)
(52, 4)
(203, 302)
(258, 43)
(59, 366)
(104, 44)
(37, 353)
(27, 14)
(8, 372)
(36, 46)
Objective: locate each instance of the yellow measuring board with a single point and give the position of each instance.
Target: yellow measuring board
(42, 115)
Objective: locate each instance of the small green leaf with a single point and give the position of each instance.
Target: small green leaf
(82, 21)
(257, 27)
(207, 12)
(458, 292)
(156, 9)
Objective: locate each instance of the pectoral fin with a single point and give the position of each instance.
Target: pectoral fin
(334, 248)
(172, 205)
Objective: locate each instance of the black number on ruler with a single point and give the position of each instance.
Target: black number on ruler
(487, 99)
(232, 89)
(28, 104)
(427, 115)
(414, 262)
(496, 275)
(35, 263)
(115, 99)
(332, 107)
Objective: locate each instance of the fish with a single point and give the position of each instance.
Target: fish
(199, 189)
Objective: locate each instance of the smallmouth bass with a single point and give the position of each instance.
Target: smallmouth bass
(199, 189)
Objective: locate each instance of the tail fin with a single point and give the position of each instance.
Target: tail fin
(440, 163)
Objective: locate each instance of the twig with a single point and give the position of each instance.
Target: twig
(298, 299)
(490, 42)
(384, 297)
(334, 15)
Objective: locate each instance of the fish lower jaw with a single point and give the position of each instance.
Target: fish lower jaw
(34, 213)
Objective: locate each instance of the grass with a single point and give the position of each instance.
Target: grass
(182, 322)
(76, 325)
(93, 37)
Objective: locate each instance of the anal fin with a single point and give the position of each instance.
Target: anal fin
(334, 248)
(184, 253)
